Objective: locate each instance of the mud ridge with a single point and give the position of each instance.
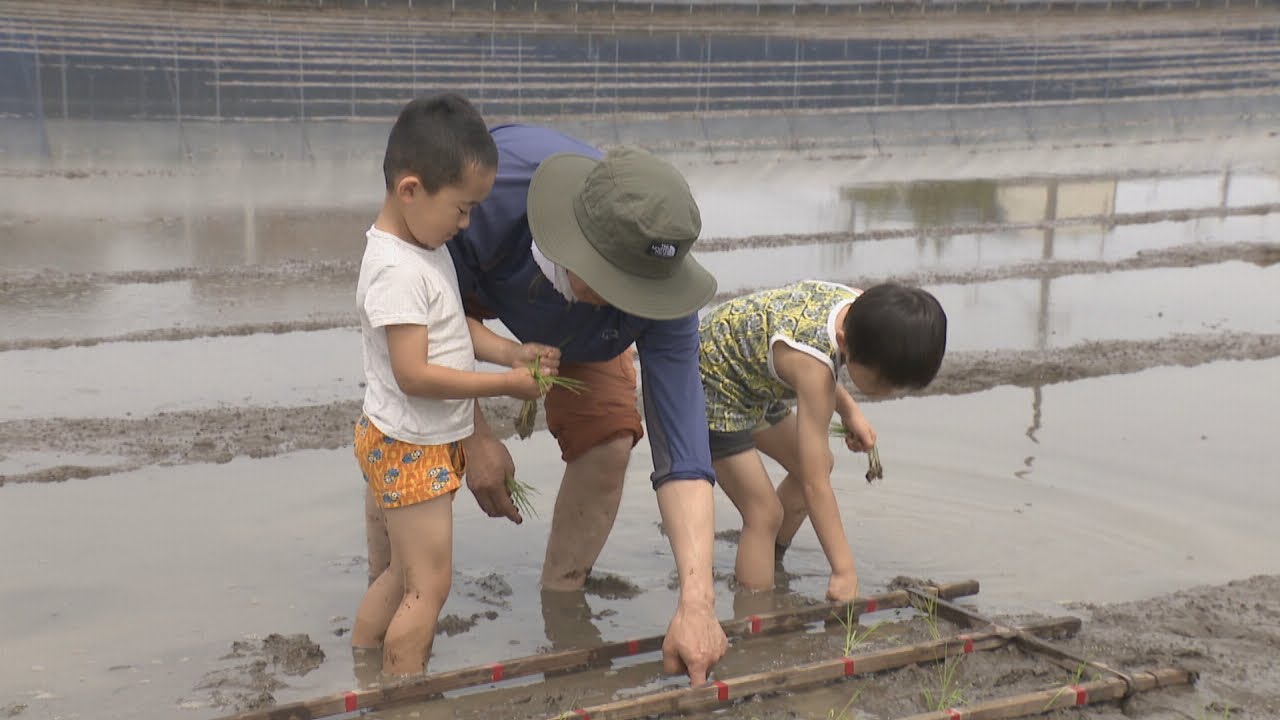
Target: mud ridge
(183, 333)
(1181, 256)
(975, 371)
(52, 281)
(1105, 221)
(222, 434)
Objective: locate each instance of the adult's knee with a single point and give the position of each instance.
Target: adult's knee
(605, 464)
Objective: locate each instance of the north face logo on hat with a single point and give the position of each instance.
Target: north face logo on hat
(661, 249)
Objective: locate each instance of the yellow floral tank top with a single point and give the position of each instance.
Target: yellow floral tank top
(736, 341)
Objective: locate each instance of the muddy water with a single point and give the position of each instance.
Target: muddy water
(187, 363)
(1106, 489)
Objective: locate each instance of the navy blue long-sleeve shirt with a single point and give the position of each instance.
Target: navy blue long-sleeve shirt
(497, 274)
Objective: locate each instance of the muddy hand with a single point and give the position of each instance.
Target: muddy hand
(842, 587)
(489, 464)
(695, 642)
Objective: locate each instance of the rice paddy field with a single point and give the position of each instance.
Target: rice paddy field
(1093, 195)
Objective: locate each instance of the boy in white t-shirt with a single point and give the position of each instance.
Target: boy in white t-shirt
(419, 364)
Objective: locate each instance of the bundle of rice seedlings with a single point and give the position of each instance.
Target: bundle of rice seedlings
(875, 471)
(529, 410)
(521, 494)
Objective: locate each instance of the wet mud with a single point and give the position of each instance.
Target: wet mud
(223, 434)
(1226, 635)
(255, 670)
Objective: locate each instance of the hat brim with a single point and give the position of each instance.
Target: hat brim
(558, 179)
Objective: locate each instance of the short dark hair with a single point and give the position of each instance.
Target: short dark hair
(899, 332)
(436, 139)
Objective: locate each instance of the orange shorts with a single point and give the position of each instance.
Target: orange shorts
(606, 409)
(400, 473)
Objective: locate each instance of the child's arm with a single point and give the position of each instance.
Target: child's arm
(816, 401)
(491, 347)
(861, 436)
(407, 345)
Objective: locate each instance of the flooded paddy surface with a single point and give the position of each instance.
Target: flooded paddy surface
(179, 369)
(1100, 432)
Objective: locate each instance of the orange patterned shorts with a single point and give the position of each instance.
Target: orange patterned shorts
(400, 473)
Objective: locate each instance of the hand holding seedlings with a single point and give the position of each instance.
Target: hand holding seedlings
(875, 471)
(521, 495)
(529, 410)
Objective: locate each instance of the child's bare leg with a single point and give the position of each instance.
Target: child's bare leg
(747, 484)
(779, 442)
(377, 607)
(422, 548)
(376, 540)
(794, 510)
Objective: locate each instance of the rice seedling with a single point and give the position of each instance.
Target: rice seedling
(844, 711)
(574, 702)
(843, 714)
(875, 471)
(1075, 680)
(854, 636)
(528, 414)
(929, 609)
(521, 495)
(948, 694)
(1209, 712)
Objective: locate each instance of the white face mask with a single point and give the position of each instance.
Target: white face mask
(558, 276)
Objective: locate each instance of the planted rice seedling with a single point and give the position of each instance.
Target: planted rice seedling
(948, 693)
(1075, 680)
(853, 635)
(844, 711)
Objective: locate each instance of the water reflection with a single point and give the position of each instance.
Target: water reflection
(568, 620)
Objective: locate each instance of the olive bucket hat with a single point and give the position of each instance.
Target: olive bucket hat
(624, 224)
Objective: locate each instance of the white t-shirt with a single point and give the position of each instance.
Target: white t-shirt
(404, 284)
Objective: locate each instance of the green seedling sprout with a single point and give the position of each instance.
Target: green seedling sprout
(529, 410)
(574, 703)
(521, 495)
(853, 636)
(875, 471)
(949, 694)
(1208, 713)
(844, 711)
(1075, 680)
(929, 609)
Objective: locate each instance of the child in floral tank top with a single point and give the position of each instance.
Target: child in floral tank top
(760, 351)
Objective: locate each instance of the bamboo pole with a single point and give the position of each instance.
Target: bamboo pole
(720, 692)
(1067, 696)
(966, 617)
(431, 686)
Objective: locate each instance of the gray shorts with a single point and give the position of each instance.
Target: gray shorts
(724, 444)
